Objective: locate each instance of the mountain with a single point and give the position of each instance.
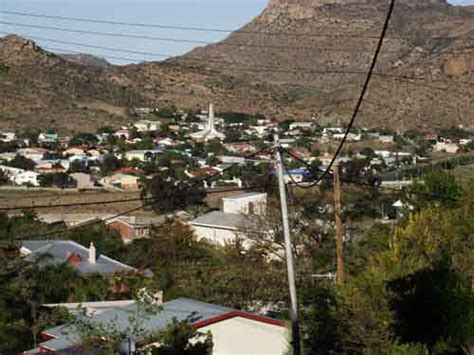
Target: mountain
(301, 58)
(87, 60)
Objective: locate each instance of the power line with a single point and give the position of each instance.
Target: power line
(271, 69)
(220, 30)
(192, 41)
(361, 97)
(87, 225)
(81, 204)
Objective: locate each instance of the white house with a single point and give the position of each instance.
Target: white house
(7, 156)
(247, 203)
(74, 151)
(7, 136)
(446, 147)
(233, 331)
(27, 178)
(141, 155)
(386, 138)
(35, 154)
(301, 125)
(233, 222)
(147, 126)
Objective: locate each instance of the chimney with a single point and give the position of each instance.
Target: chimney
(92, 254)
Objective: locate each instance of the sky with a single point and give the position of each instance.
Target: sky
(221, 14)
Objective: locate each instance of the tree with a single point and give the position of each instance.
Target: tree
(109, 164)
(434, 306)
(437, 187)
(21, 162)
(4, 180)
(62, 180)
(168, 195)
(84, 139)
(179, 338)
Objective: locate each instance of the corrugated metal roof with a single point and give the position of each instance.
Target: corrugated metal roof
(59, 250)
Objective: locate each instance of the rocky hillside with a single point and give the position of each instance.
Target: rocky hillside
(300, 58)
(87, 60)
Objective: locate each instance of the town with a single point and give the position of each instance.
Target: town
(262, 177)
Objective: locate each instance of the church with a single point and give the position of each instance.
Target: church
(210, 132)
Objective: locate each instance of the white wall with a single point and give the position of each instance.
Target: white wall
(242, 205)
(244, 336)
(214, 235)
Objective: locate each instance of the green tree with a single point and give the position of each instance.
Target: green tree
(168, 195)
(179, 338)
(21, 162)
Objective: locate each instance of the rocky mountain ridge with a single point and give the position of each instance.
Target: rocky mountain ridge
(298, 58)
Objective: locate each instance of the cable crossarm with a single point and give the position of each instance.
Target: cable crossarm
(361, 98)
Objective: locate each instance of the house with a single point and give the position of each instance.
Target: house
(202, 172)
(74, 151)
(7, 156)
(233, 331)
(35, 154)
(350, 136)
(10, 171)
(69, 219)
(210, 132)
(26, 178)
(48, 167)
(7, 137)
(386, 138)
(240, 148)
(166, 142)
(122, 181)
(301, 125)
(134, 227)
(142, 155)
(47, 138)
(85, 260)
(233, 222)
(123, 133)
(446, 147)
(147, 126)
(247, 203)
(295, 175)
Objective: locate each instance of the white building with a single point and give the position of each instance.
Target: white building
(247, 203)
(7, 137)
(141, 155)
(35, 154)
(233, 222)
(147, 125)
(233, 331)
(386, 138)
(26, 178)
(210, 132)
(301, 125)
(446, 147)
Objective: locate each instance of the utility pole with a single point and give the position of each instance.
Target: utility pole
(295, 325)
(339, 229)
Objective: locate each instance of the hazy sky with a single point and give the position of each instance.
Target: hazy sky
(226, 14)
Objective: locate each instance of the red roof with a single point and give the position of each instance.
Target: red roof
(233, 314)
(204, 171)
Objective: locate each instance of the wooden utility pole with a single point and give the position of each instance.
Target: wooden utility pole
(339, 228)
(295, 325)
